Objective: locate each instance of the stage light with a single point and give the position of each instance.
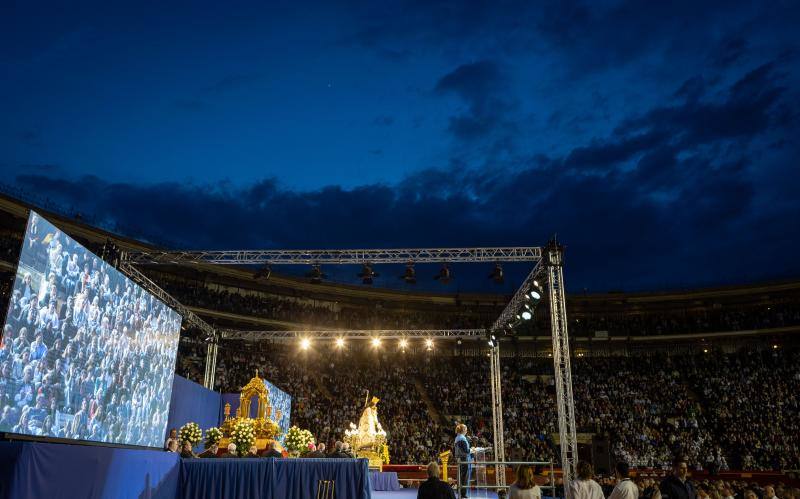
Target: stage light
(367, 274)
(403, 344)
(491, 340)
(774, 347)
(705, 350)
(263, 273)
(339, 342)
(410, 275)
(315, 274)
(429, 343)
(376, 342)
(305, 343)
(533, 295)
(526, 315)
(497, 274)
(444, 276)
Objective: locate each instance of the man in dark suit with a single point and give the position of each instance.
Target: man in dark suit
(433, 488)
(677, 485)
(186, 450)
(211, 452)
(338, 452)
(319, 452)
(273, 451)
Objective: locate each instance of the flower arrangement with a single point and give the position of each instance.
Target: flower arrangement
(213, 436)
(298, 440)
(191, 432)
(243, 435)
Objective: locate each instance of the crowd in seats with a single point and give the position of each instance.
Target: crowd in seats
(325, 314)
(753, 400)
(765, 316)
(644, 406)
(721, 410)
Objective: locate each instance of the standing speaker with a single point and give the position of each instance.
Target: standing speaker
(601, 455)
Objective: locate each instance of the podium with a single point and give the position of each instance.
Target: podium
(478, 485)
(480, 473)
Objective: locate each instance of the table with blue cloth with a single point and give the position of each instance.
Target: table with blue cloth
(384, 481)
(31, 470)
(275, 478)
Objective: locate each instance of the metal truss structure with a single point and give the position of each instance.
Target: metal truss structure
(561, 365)
(338, 256)
(548, 271)
(349, 334)
(513, 307)
(497, 414)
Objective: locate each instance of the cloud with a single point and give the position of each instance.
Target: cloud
(481, 86)
(679, 191)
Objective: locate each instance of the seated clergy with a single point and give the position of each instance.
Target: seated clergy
(231, 451)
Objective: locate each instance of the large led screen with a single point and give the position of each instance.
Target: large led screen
(86, 354)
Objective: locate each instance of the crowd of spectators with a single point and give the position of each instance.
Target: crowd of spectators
(324, 313)
(720, 410)
(763, 316)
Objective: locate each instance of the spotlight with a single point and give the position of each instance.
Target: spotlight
(305, 343)
(497, 274)
(315, 274)
(491, 339)
(339, 342)
(775, 347)
(403, 344)
(527, 315)
(410, 275)
(444, 276)
(367, 274)
(705, 350)
(533, 295)
(429, 343)
(376, 342)
(263, 273)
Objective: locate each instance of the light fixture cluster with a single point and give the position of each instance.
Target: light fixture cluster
(530, 299)
(368, 274)
(375, 343)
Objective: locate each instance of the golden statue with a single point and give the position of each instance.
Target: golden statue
(266, 429)
(368, 425)
(368, 439)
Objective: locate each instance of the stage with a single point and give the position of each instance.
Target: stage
(35, 470)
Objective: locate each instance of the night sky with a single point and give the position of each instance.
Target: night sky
(659, 140)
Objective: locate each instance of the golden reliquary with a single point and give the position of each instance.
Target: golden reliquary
(266, 429)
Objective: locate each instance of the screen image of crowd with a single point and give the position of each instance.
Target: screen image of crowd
(86, 353)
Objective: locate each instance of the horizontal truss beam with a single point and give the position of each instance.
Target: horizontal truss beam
(338, 256)
(366, 334)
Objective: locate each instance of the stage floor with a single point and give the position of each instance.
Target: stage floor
(412, 494)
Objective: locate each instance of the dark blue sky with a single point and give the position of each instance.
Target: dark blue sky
(658, 139)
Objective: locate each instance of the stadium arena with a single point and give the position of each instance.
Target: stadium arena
(710, 375)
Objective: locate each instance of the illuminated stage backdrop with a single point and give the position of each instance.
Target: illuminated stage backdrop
(280, 401)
